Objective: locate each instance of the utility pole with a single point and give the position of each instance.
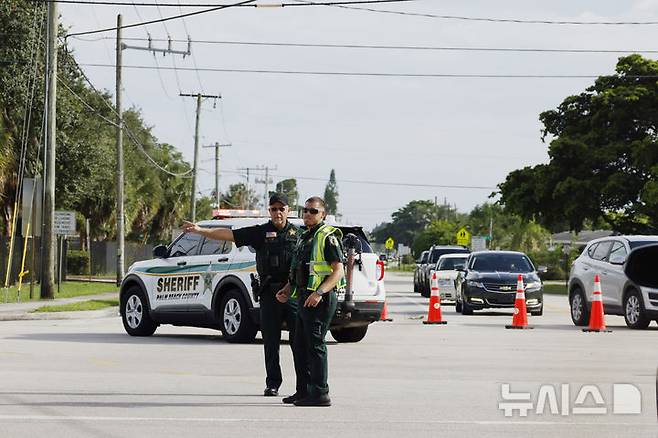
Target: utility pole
(120, 47)
(120, 178)
(217, 146)
(266, 182)
(48, 277)
(195, 169)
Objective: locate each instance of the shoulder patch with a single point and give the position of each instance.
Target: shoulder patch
(333, 240)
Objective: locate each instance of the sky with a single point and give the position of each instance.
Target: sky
(431, 131)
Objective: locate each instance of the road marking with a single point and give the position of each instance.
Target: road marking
(317, 420)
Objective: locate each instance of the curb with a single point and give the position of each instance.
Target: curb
(81, 314)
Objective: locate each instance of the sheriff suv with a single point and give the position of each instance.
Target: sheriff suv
(201, 282)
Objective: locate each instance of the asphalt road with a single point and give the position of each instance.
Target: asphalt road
(87, 378)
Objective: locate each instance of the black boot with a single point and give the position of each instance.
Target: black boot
(271, 392)
(293, 398)
(322, 400)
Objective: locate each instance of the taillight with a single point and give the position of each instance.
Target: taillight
(380, 270)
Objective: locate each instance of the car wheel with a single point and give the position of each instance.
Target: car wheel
(425, 291)
(579, 310)
(135, 313)
(349, 334)
(634, 314)
(235, 323)
(466, 308)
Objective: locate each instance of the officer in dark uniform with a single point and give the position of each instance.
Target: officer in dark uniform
(316, 275)
(274, 243)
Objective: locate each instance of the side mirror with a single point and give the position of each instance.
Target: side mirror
(542, 269)
(160, 252)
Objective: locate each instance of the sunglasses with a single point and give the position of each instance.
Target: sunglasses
(311, 210)
(275, 209)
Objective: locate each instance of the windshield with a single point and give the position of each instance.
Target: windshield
(436, 253)
(502, 263)
(639, 243)
(451, 264)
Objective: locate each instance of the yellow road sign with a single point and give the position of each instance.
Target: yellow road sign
(463, 237)
(389, 243)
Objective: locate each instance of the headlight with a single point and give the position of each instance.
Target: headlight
(533, 285)
(472, 283)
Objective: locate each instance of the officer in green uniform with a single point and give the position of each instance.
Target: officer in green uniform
(275, 243)
(316, 275)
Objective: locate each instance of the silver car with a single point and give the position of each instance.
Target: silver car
(606, 257)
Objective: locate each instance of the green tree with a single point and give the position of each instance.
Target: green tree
(438, 232)
(289, 188)
(603, 157)
(21, 71)
(410, 220)
(331, 194)
(239, 196)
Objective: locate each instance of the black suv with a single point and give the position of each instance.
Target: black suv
(435, 252)
(489, 281)
(422, 260)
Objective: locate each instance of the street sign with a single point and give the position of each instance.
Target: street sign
(390, 243)
(463, 237)
(478, 243)
(64, 223)
(403, 249)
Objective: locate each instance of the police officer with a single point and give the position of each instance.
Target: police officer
(274, 243)
(316, 274)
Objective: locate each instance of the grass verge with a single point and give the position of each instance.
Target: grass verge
(555, 289)
(68, 289)
(80, 305)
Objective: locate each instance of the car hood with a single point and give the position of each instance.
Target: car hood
(640, 266)
(141, 264)
(502, 277)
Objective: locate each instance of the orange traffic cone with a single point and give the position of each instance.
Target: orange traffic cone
(384, 315)
(596, 319)
(434, 312)
(520, 319)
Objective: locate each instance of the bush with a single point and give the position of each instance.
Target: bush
(77, 262)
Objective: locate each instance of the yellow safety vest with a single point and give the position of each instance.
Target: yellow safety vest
(319, 269)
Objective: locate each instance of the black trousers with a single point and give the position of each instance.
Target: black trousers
(272, 315)
(312, 326)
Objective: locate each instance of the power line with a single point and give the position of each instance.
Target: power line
(388, 47)
(161, 20)
(378, 183)
(490, 19)
(205, 5)
(354, 6)
(378, 74)
(131, 136)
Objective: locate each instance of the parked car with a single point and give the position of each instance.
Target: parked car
(607, 258)
(200, 282)
(489, 280)
(435, 252)
(422, 260)
(446, 270)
